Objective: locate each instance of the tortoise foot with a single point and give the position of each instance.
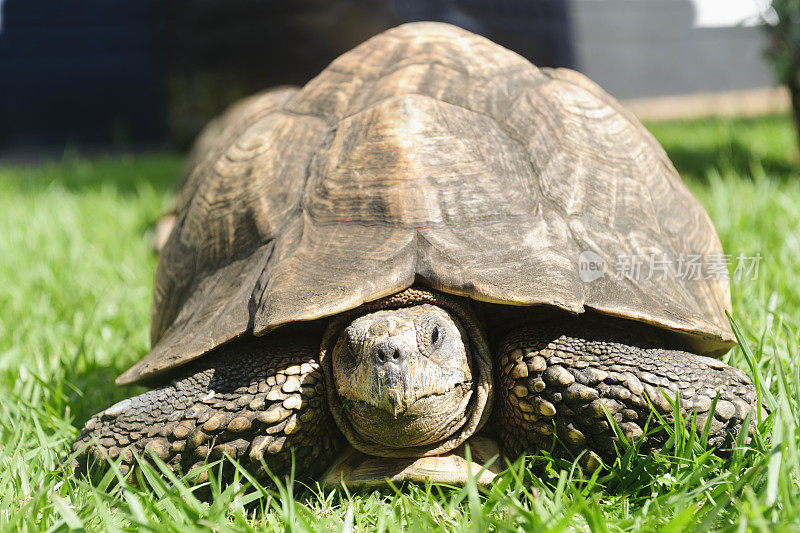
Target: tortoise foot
(559, 383)
(258, 402)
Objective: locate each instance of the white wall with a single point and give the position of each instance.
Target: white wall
(727, 13)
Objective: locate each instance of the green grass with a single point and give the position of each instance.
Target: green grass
(75, 280)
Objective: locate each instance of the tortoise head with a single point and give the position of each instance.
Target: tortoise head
(408, 380)
(404, 375)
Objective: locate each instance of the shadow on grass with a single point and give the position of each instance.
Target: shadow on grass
(92, 388)
(124, 174)
(734, 157)
(743, 146)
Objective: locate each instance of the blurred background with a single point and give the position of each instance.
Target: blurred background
(136, 74)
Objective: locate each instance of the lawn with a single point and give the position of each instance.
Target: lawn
(75, 283)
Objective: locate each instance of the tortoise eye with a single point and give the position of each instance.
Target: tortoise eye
(435, 334)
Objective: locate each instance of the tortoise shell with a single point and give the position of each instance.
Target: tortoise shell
(426, 155)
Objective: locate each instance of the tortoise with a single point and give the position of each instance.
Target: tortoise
(373, 271)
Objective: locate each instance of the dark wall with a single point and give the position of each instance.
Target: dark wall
(128, 72)
(216, 51)
(77, 72)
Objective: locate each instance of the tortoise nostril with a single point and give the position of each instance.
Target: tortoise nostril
(386, 353)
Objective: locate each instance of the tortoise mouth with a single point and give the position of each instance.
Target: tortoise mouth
(427, 420)
(433, 421)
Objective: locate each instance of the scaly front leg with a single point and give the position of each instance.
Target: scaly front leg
(559, 378)
(256, 400)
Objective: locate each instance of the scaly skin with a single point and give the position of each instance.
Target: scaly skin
(403, 388)
(557, 376)
(265, 398)
(254, 400)
(406, 321)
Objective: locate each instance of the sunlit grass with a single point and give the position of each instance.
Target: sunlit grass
(75, 280)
